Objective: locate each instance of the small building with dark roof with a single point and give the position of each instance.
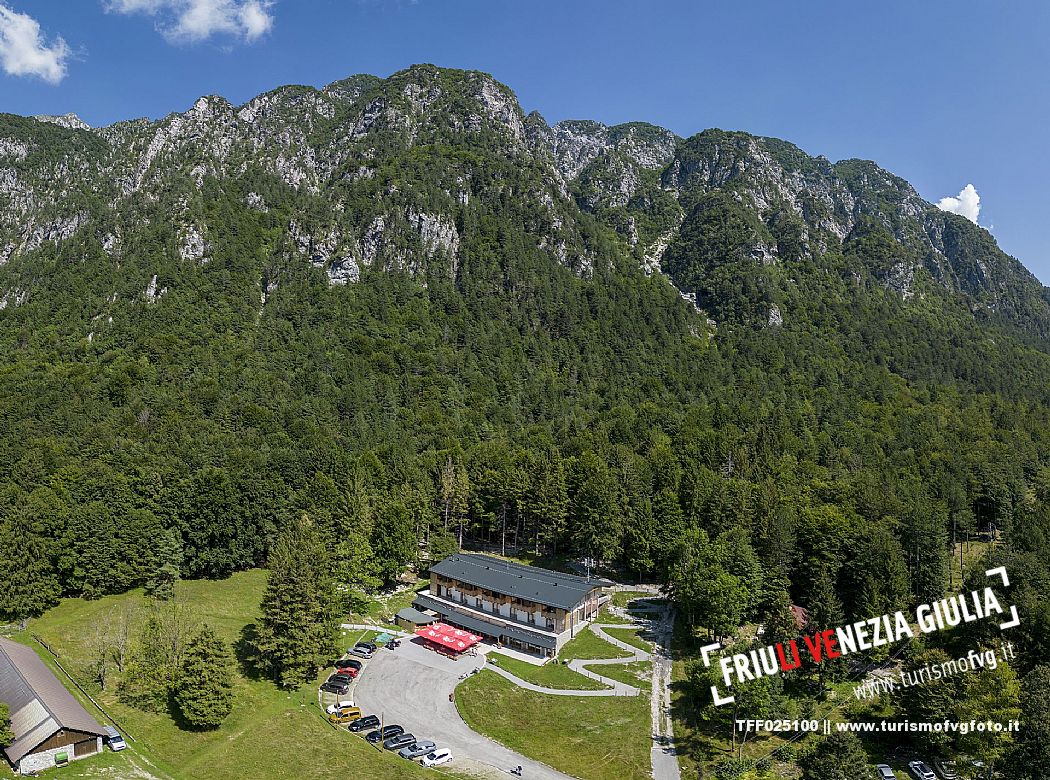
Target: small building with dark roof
(50, 726)
(525, 607)
(410, 619)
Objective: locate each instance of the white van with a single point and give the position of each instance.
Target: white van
(114, 740)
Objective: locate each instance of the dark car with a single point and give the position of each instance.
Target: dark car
(349, 663)
(399, 741)
(364, 724)
(341, 677)
(339, 689)
(371, 646)
(383, 734)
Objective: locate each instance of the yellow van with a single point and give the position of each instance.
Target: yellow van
(345, 715)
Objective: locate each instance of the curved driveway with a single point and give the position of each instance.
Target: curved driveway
(411, 686)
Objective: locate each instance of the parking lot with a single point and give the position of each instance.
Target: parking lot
(410, 686)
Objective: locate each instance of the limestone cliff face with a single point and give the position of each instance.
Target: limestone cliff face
(385, 175)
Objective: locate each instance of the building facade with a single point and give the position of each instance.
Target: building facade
(524, 607)
(50, 726)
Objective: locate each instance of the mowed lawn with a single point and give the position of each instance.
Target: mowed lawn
(587, 645)
(590, 737)
(550, 675)
(631, 636)
(637, 673)
(621, 598)
(271, 733)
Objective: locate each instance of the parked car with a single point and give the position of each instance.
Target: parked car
(340, 689)
(365, 723)
(385, 733)
(885, 772)
(349, 663)
(341, 679)
(349, 671)
(345, 715)
(399, 741)
(361, 652)
(920, 771)
(437, 758)
(947, 770)
(368, 646)
(115, 740)
(338, 706)
(420, 748)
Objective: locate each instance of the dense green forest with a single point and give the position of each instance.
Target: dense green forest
(525, 387)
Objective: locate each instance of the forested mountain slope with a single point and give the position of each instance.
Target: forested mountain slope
(408, 309)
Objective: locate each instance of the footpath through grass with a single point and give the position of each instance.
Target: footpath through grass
(590, 737)
(271, 733)
(550, 675)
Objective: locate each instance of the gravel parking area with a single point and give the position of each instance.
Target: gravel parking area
(411, 686)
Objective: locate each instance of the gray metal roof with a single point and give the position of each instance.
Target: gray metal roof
(472, 623)
(40, 705)
(543, 586)
(415, 616)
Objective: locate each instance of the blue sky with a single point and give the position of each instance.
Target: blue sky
(944, 94)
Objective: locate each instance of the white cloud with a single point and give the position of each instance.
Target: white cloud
(967, 203)
(25, 52)
(190, 21)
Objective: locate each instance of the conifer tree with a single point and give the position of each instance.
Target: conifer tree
(547, 502)
(28, 585)
(167, 561)
(205, 691)
(1032, 757)
(296, 633)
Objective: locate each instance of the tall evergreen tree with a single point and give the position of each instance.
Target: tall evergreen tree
(166, 566)
(547, 502)
(1031, 760)
(204, 692)
(28, 584)
(296, 633)
(596, 520)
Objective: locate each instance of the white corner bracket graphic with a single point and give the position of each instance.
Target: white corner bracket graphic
(719, 698)
(705, 652)
(1000, 571)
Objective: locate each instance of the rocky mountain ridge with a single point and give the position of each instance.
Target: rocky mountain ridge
(380, 174)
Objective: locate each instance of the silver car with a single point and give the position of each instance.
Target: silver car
(885, 773)
(920, 771)
(421, 748)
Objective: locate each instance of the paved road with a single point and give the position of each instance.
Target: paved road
(411, 685)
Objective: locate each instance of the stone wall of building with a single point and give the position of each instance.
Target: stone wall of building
(45, 759)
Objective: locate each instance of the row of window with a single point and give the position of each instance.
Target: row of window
(487, 606)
